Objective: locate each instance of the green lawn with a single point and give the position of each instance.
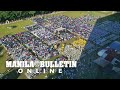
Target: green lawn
(22, 75)
(3, 59)
(76, 14)
(4, 30)
(41, 76)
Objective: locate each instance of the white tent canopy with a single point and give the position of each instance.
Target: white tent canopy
(100, 53)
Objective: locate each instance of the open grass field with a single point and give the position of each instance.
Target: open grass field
(77, 14)
(41, 76)
(22, 75)
(3, 60)
(4, 30)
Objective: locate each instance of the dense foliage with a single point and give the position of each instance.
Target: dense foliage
(14, 15)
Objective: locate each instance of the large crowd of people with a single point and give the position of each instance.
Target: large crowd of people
(111, 26)
(40, 36)
(24, 37)
(34, 27)
(104, 32)
(84, 70)
(74, 55)
(46, 36)
(42, 50)
(45, 28)
(33, 73)
(23, 54)
(81, 26)
(40, 70)
(10, 42)
(16, 50)
(61, 58)
(66, 35)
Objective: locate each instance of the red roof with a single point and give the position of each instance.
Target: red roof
(111, 55)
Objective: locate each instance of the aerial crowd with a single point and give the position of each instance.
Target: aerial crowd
(36, 43)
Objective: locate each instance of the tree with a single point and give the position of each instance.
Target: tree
(14, 15)
(32, 13)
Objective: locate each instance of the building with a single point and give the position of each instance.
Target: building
(110, 55)
(115, 45)
(101, 62)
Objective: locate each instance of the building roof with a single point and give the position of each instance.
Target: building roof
(100, 53)
(115, 45)
(108, 54)
(101, 61)
(109, 57)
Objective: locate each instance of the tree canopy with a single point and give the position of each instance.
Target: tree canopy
(14, 15)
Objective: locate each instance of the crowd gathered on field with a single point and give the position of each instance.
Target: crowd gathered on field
(37, 42)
